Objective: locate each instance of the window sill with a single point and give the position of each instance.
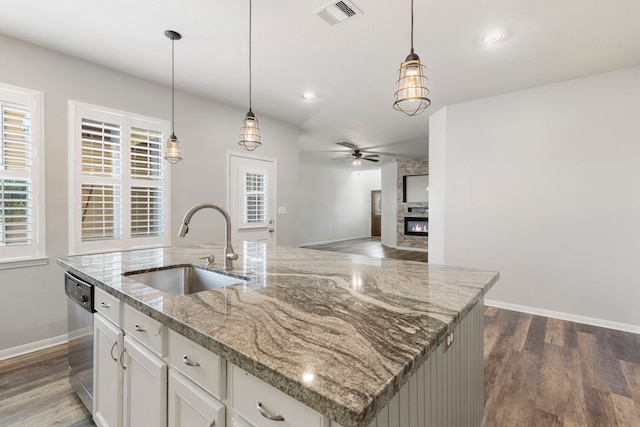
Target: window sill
(26, 262)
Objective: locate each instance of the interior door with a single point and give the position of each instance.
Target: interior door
(376, 212)
(252, 198)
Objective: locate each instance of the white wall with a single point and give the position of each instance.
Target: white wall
(543, 185)
(335, 204)
(389, 234)
(32, 300)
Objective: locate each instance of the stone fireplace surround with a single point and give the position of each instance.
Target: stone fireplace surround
(413, 209)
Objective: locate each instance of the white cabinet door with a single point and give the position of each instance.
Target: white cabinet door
(107, 402)
(144, 387)
(191, 406)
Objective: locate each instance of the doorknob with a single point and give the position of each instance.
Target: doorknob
(271, 230)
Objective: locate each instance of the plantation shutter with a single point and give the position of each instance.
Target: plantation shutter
(15, 168)
(147, 196)
(254, 199)
(100, 170)
(121, 187)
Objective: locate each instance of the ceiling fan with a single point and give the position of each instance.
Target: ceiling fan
(357, 156)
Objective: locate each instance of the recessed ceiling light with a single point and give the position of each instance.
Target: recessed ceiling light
(308, 96)
(495, 37)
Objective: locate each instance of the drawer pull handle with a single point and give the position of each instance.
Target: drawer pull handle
(188, 362)
(105, 305)
(267, 415)
(139, 328)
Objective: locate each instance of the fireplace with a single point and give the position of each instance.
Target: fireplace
(414, 226)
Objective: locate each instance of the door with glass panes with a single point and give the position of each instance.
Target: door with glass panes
(252, 198)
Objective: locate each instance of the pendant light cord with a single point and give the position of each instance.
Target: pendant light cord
(250, 55)
(411, 26)
(173, 90)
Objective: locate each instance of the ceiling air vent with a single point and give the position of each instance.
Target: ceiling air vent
(337, 12)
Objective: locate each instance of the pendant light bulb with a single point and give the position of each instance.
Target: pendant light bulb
(173, 151)
(411, 94)
(250, 134)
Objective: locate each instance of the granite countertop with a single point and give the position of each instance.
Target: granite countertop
(340, 333)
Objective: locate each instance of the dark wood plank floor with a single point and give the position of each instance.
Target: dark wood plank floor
(538, 372)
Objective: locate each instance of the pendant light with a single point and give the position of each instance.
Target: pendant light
(250, 136)
(411, 93)
(173, 152)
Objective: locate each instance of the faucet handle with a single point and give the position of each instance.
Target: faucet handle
(210, 258)
(232, 256)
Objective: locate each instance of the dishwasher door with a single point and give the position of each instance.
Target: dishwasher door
(80, 346)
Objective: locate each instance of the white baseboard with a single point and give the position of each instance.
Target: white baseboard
(403, 248)
(565, 316)
(34, 346)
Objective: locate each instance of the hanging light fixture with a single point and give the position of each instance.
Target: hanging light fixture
(411, 93)
(173, 152)
(250, 136)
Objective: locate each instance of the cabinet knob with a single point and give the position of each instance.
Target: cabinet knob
(140, 328)
(267, 415)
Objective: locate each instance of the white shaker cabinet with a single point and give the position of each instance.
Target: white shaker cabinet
(191, 406)
(144, 386)
(261, 405)
(107, 399)
(197, 379)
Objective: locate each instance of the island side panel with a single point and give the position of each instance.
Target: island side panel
(448, 389)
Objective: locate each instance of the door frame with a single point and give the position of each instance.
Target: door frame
(272, 203)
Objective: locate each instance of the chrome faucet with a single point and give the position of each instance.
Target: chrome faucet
(229, 255)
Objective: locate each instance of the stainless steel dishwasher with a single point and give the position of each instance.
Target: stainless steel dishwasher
(80, 348)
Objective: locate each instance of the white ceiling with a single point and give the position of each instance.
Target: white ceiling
(352, 66)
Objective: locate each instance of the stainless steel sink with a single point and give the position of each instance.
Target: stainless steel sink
(183, 279)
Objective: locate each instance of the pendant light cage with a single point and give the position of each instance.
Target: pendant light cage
(250, 134)
(173, 151)
(411, 87)
(411, 94)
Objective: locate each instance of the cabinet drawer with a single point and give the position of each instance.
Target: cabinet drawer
(248, 390)
(108, 305)
(148, 331)
(203, 367)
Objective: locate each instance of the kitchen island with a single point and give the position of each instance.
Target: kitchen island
(352, 337)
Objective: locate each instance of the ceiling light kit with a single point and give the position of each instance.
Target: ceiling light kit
(250, 136)
(356, 158)
(411, 93)
(308, 96)
(173, 152)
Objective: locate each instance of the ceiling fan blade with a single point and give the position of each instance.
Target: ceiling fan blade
(342, 158)
(372, 155)
(347, 144)
(371, 160)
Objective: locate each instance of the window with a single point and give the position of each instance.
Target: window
(21, 177)
(120, 186)
(254, 199)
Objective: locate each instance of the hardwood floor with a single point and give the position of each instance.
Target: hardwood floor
(35, 391)
(538, 372)
(370, 246)
(546, 372)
